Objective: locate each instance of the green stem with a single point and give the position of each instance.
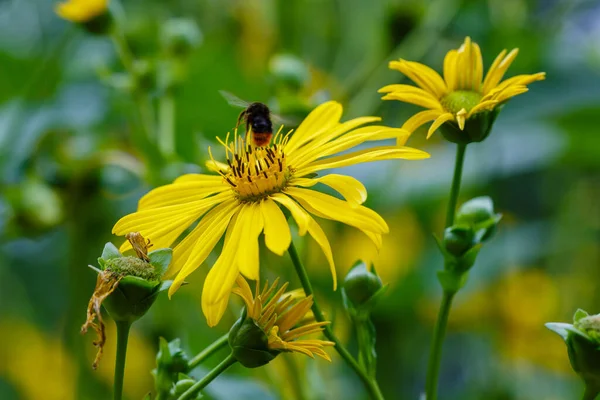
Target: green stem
(166, 124)
(207, 352)
(439, 331)
(435, 356)
(208, 378)
(122, 336)
(370, 384)
(458, 167)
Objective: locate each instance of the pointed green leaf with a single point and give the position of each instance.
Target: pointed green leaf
(110, 251)
(160, 260)
(579, 314)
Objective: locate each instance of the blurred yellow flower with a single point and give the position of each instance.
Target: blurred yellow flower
(283, 318)
(37, 364)
(245, 197)
(81, 11)
(462, 92)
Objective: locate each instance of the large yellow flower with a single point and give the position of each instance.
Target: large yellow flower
(81, 11)
(246, 197)
(462, 93)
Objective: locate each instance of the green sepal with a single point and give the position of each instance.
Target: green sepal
(579, 314)
(132, 298)
(452, 281)
(160, 260)
(110, 251)
(165, 285)
(249, 344)
(477, 128)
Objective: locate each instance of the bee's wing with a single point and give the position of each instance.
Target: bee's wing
(287, 121)
(233, 99)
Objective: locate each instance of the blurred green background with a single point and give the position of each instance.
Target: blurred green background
(71, 165)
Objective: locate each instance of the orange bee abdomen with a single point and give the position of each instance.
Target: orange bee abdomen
(262, 139)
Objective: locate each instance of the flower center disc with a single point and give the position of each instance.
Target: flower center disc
(459, 99)
(255, 172)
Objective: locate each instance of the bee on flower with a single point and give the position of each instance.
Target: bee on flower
(462, 103)
(248, 194)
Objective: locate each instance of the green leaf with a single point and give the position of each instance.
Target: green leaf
(579, 314)
(160, 260)
(110, 251)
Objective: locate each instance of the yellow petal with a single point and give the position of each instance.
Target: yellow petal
(438, 122)
(419, 100)
(300, 216)
(421, 118)
(363, 156)
(460, 118)
(180, 193)
(450, 74)
(222, 275)
(277, 230)
(349, 140)
(193, 250)
(317, 233)
(351, 188)
(332, 208)
(207, 179)
(422, 75)
(324, 137)
(484, 105)
(497, 71)
(324, 117)
(247, 253)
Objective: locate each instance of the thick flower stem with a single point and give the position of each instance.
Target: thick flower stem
(439, 332)
(207, 352)
(208, 378)
(435, 356)
(122, 337)
(370, 383)
(458, 167)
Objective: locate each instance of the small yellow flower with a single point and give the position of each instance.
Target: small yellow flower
(246, 196)
(462, 93)
(283, 318)
(81, 11)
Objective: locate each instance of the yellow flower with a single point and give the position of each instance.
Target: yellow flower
(461, 94)
(245, 197)
(282, 317)
(81, 11)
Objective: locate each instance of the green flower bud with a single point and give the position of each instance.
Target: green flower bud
(478, 213)
(181, 36)
(583, 346)
(182, 385)
(249, 343)
(458, 240)
(362, 289)
(289, 71)
(476, 129)
(171, 361)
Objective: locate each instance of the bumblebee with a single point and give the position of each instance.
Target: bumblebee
(257, 118)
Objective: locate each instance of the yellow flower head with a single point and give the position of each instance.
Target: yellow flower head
(283, 318)
(81, 11)
(246, 196)
(462, 93)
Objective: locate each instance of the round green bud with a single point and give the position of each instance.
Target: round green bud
(182, 386)
(249, 344)
(360, 284)
(458, 240)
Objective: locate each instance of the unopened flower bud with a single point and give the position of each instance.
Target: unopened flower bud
(93, 15)
(171, 361)
(182, 385)
(583, 346)
(478, 213)
(249, 343)
(361, 289)
(458, 240)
